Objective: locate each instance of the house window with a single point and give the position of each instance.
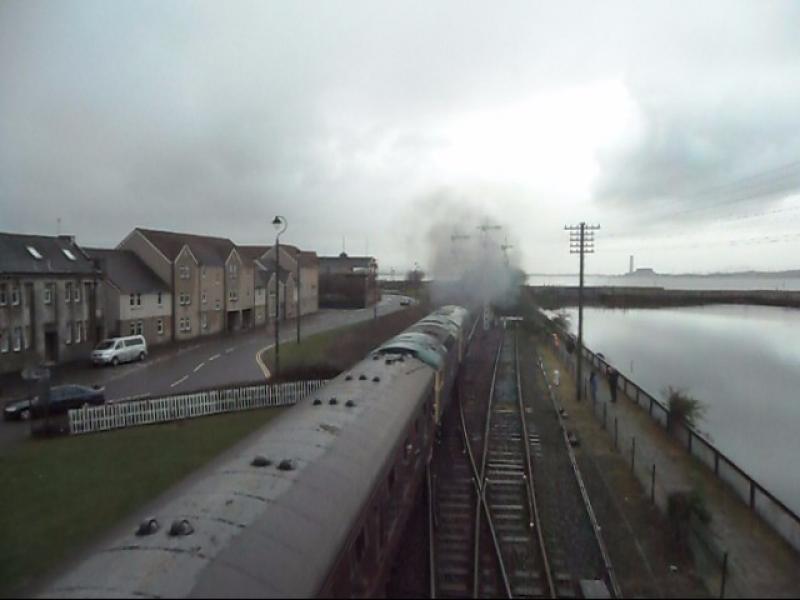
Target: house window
(33, 252)
(14, 296)
(132, 328)
(48, 294)
(138, 299)
(27, 336)
(68, 294)
(3, 340)
(188, 325)
(17, 339)
(184, 273)
(77, 293)
(204, 298)
(233, 296)
(160, 327)
(204, 321)
(78, 328)
(139, 328)
(3, 294)
(217, 306)
(203, 272)
(233, 268)
(68, 339)
(69, 254)
(133, 299)
(159, 298)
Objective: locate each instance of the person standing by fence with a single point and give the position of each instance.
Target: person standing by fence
(613, 379)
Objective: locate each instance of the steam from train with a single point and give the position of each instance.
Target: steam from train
(471, 256)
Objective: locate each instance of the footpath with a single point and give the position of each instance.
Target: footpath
(736, 545)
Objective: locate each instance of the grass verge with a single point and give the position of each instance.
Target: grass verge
(329, 353)
(61, 494)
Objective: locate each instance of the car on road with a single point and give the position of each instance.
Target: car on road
(405, 302)
(62, 399)
(120, 349)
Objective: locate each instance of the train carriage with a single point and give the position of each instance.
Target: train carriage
(315, 504)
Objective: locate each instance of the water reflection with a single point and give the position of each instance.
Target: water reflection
(742, 361)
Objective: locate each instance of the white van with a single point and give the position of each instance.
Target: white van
(121, 349)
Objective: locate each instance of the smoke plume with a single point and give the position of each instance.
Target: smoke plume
(471, 255)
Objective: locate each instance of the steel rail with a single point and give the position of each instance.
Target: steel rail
(481, 501)
(533, 508)
(609, 568)
(431, 540)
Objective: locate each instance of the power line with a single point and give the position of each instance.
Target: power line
(778, 180)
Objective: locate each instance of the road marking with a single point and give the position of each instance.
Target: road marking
(215, 357)
(180, 381)
(260, 362)
(229, 350)
(200, 366)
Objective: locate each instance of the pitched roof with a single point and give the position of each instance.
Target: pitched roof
(55, 255)
(254, 252)
(283, 273)
(307, 258)
(208, 250)
(127, 272)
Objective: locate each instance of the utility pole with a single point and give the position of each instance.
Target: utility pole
(581, 241)
(505, 247)
(486, 228)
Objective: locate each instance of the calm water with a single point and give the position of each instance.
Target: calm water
(742, 361)
(675, 282)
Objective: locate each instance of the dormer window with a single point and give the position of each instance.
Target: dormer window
(33, 252)
(68, 253)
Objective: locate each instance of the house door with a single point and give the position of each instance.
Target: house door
(51, 346)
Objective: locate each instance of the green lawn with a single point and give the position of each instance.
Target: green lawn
(327, 354)
(60, 494)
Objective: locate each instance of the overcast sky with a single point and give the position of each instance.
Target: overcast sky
(675, 126)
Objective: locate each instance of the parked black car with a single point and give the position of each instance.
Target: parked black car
(62, 399)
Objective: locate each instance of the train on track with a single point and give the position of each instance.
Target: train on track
(314, 505)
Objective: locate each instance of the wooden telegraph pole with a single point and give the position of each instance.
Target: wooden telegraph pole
(581, 241)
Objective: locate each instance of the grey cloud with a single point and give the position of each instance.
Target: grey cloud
(199, 116)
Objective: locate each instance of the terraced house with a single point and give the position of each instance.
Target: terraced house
(49, 311)
(134, 299)
(297, 281)
(211, 282)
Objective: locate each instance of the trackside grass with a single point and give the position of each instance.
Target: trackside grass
(59, 495)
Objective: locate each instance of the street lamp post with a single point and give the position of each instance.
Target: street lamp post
(280, 224)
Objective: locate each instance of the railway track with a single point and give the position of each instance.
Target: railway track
(508, 480)
(484, 476)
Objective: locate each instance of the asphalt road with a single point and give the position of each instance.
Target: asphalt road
(220, 361)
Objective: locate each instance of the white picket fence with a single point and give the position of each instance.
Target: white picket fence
(187, 406)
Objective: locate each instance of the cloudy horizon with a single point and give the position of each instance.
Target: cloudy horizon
(672, 125)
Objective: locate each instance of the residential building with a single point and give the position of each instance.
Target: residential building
(303, 266)
(240, 291)
(207, 277)
(49, 311)
(135, 300)
(308, 280)
(348, 281)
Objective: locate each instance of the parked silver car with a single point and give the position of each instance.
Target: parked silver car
(117, 350)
